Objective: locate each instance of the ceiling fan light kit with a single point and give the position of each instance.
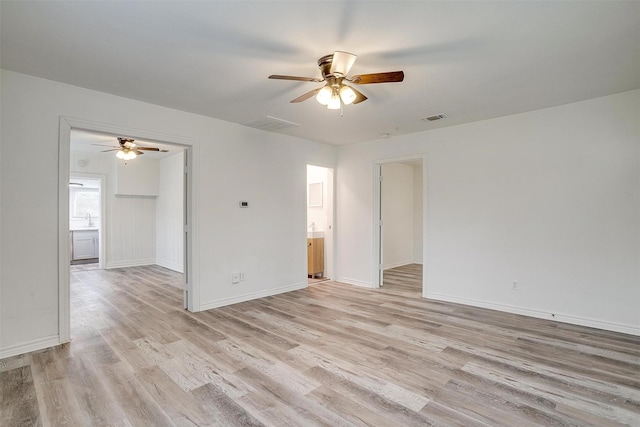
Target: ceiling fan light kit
(335, 93)
(126, 154)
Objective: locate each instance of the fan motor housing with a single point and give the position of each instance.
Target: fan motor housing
(325, 65)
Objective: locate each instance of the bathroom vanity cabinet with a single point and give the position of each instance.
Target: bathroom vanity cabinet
(315, 256)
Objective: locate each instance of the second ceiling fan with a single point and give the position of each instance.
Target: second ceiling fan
(129, 150)
(336, 93)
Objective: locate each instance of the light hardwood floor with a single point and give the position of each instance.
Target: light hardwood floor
(331, 354)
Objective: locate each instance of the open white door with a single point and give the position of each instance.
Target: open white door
(379, 228)
(185, 216)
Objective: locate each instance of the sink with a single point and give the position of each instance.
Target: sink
(314, 234)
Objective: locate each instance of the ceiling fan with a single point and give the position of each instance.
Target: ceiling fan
(129, 150)
(336, 93)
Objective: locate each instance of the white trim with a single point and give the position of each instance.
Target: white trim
(64, 261)
(131, 263)
(170, 265)
(37, 344)
(377, 230)
(558, 317)
(251, 296)
(191, 259)
(355, 282)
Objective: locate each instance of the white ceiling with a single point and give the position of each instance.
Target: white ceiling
(468, 60)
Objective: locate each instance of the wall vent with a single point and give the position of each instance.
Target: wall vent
(433, 118)
(270, 124)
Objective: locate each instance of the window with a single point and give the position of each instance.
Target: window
(84, 202)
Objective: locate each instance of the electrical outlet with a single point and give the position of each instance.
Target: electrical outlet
(514, 285)
(235, 277)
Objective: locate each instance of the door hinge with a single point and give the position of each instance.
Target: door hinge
(381, 223)
(381, 178)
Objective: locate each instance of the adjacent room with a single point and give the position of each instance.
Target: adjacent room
(320, 213)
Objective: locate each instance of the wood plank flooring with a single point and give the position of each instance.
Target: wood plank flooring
(331, 354)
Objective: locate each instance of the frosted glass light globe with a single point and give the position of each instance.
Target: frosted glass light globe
(324, 96)
(347, 94)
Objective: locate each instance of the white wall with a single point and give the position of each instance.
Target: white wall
(137, 177)
(397, 214)
(169, 213)
(417, 213)
(130, 224)
(266, 241)
(550, 198)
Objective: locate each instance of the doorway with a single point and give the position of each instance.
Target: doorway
(86, 221)
(188, 227)
(398, 217)
(320, 207)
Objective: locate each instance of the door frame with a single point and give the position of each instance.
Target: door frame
(66, 124)
(377, 212)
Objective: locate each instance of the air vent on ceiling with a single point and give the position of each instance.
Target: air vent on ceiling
(433, 118)
(270, 124)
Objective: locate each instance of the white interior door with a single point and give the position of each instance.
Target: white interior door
(187, 229)
(380, 227)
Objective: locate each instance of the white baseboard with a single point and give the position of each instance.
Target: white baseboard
(130, 263)
(396, 264)
(354, 282)
(558, 317)
(251, 296)
(170, 265)
(37, 344)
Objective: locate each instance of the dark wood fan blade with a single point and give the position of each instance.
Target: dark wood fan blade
(307, 95)
(389, 77)
(102, 145)
(152, 149)
(359, 96)
(303, 79)
(138, 152)
(113, 149)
